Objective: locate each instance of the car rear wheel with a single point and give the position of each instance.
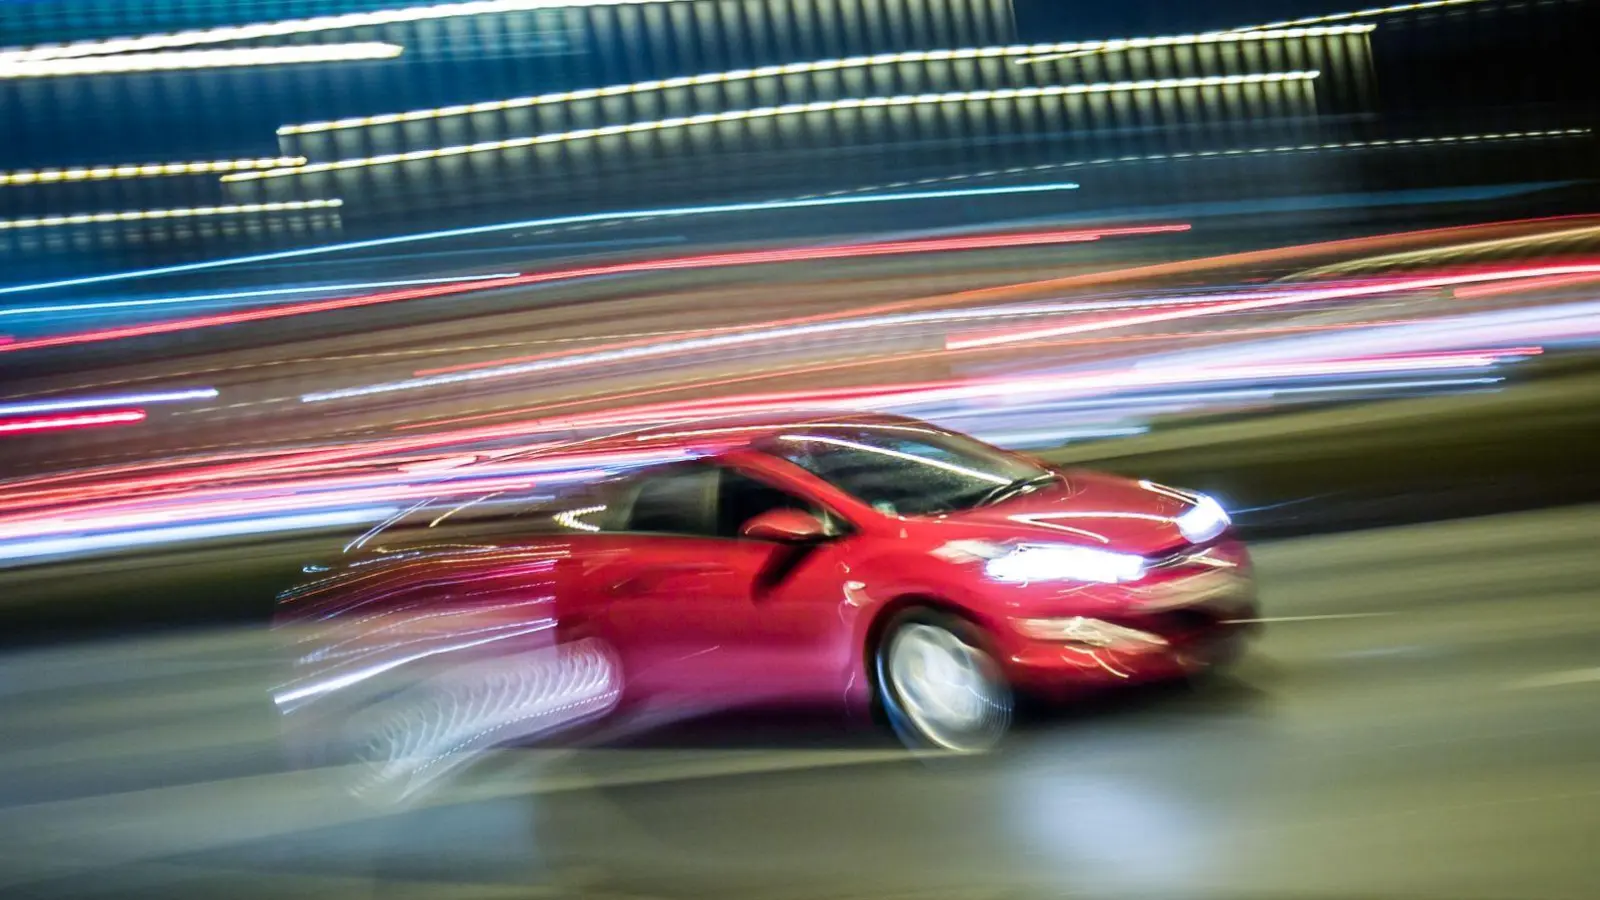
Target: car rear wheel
(940, 689)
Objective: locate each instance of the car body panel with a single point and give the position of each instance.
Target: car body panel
(704, 620)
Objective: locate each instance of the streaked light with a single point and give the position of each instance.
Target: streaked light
(283, 27)
(811, 326)
(245, 295)
(645, 348)
(1301, 295)
(1358, 14)
(1092, 632)
(677, 212)
(143, 215)
(499, 633)
(197, 59)
(1382, 144)
(119, 540)
(572, 518)
(824, 65)
(67, 423)
(1058, 90)
(144, 170)
(1044, 53)
(649, 265)
(17, 409)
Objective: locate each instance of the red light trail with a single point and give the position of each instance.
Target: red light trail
(35, 424)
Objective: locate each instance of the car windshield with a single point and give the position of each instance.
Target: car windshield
(905, 470)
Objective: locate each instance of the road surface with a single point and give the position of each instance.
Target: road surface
(1417, 722)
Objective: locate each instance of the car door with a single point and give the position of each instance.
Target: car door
(704, 618)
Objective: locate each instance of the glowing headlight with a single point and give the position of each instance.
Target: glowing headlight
(1204, 521)
(1046, 562)
(1090, 632)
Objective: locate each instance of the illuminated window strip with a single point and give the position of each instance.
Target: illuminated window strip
(1217, 154)
(183, 213)
(1358, 14)
(769, 111)
(197, 59)
(295, 26)
(1261, 33)
(145, 170)
(825, 65)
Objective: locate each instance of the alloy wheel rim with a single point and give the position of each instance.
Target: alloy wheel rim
(946, 687)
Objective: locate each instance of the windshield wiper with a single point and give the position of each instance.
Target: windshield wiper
(1011, 489)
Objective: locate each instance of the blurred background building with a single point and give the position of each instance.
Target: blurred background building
(264, 124)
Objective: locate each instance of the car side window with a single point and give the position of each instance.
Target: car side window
(741, 497)
(675, 500)
(706, 500)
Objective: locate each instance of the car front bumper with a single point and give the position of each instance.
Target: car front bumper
(1203, 620)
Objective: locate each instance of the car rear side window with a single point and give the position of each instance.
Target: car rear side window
(675, 500)
(741, 498)
(707, 500)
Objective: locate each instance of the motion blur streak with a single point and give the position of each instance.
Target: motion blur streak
(1359, 14)
(823, 65)
(1303, 296)
(143, 537)
(296, 26)
(12, 409)
(911, 395)
(1202, 265)
(765, 112)
(276, 499)
(802, 326)
(245, 295)
(197, 59)
(1478, 292)
(671, 212)
(653, 265)
(67, 423)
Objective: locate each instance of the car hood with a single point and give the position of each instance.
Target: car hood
(1088, 508)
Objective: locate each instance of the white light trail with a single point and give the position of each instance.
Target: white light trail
(144, 215)
(632, 215)
(823, 65)
(282, 27)
(38, 406)
(791, 109)
(143, 170)
(121, 540)
(197, 59)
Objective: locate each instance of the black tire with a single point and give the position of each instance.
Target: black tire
(963, 708)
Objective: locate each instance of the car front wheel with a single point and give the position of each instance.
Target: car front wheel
(940, 689)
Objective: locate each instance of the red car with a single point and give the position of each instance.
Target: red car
(864, 560)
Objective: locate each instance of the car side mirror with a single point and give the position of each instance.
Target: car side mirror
(785, 526)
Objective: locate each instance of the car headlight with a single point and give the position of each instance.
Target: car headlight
(1090, 633)
(1203, 521)
(1023, 563)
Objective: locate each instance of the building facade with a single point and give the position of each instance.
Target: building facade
(467, 112)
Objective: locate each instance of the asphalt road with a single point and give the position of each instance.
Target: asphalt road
(1418, 722)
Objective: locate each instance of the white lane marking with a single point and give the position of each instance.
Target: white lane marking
(1558, 679)
(1328, 618)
